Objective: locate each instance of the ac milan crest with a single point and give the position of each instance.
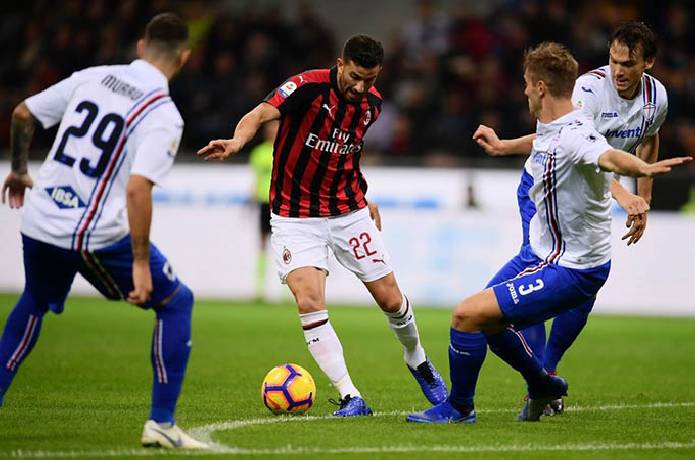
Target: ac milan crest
(286, 256)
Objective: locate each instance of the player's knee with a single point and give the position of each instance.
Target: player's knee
(390, 301)
(309, 301)
(386, 293)
(584, 310)
(36, 305)
(186, 295)
(181, 300)
(466, 317)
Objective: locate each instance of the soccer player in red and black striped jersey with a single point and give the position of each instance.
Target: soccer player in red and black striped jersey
(317, 199)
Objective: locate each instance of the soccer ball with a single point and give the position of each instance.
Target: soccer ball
(288, 389)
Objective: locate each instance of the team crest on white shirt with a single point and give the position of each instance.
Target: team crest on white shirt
(649, 110)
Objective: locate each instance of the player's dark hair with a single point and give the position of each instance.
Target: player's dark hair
(636, 36)
(166, 32)
(555, 65)
(364, 51)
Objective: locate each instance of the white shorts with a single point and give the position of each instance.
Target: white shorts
(305, 241)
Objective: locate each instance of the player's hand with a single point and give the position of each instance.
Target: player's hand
(374, 214)
(142, 283)
(632, 204)
(664, 166)
(14, 187)
(486, 138)
(220, 149)
(636, 224)
(636, 208)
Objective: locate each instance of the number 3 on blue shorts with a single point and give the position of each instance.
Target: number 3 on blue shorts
(532, 287)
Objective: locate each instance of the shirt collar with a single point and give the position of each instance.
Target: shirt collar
(555, 125)
(149, 73)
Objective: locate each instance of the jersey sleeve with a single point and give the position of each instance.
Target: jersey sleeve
(375, 102)
(293, 95)
(156, 145)
(661, 111)
(584, 145)
(585, 97)
(49, 105)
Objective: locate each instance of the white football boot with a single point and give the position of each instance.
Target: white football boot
(171, 437)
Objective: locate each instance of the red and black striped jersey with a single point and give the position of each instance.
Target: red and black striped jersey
(316, 156)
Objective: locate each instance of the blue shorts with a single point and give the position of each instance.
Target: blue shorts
(540, 291)
(50, 270)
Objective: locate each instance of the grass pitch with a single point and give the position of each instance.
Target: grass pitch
(84, 391)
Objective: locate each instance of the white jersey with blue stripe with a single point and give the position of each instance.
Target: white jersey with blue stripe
(114, 121)
(625, 123)
(572, 224)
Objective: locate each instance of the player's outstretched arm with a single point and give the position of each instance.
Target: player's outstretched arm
(221, 149)
(623, 163)
(18, 180)
(139, 202)
(487, 138)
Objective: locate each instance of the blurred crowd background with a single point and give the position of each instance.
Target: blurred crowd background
(449, 65)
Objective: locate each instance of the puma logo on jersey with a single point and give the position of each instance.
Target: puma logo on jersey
(65, 197)
(328, 109)
(376, 261)
(609, 114)
(587, 90)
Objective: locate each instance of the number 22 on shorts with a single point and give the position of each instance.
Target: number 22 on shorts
(360, 246)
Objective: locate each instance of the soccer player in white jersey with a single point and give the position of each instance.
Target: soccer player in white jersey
(569, 257)
(118, 135)
(628, 107)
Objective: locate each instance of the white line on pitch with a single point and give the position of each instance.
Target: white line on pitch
(407, 448)
(205, 432)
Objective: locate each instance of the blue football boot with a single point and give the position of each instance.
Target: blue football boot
(352, 406)
(553, 388)
(555, 407)
(432, 384)
(442, 413)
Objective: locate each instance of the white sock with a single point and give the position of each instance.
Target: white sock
(327, 351)
(402, 323)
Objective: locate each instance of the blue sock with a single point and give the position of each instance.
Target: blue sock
(466, 355)
(170, 349)
(565, 330)
(512, 348)
(535, 337)
(19, 337)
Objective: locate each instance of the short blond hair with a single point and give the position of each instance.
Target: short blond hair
(552, 63)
